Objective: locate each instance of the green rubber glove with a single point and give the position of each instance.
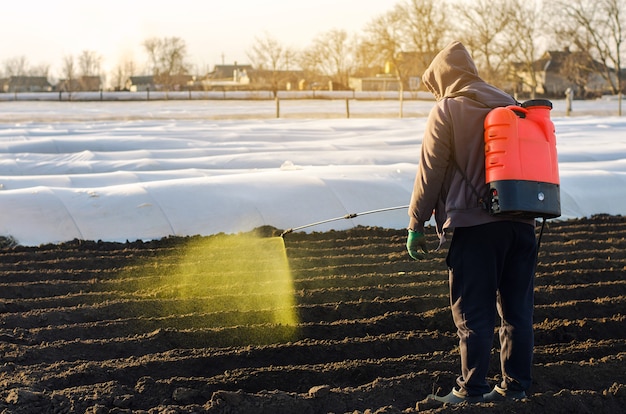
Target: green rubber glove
(416, 245)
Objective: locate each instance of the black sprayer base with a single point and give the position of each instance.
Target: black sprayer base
(524, 199)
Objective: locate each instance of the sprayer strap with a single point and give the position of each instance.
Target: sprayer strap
(469, 95)
(481, 201)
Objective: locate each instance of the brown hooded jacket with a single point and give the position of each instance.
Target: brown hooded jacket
(454, 132)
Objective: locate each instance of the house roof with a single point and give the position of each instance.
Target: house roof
(553, 60)
(142, 80)
(40, 81)
(226, 71)
(268, 72)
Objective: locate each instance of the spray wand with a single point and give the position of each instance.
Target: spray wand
(346, 217)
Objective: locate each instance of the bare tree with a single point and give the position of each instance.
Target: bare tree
(367, 60)
(69, 74)
(42, 69)
(409, 36)
(168, 59)
(384, 38)
(17, 66)
(578, 67)
(267, 53)
(122, 73)
(384, 34)
(528, 22)
(89, 63)
(89, 67)
(331, 54)
(486, 25)
(269, 56)
(616, 14)
(424, 25)
(598, 28)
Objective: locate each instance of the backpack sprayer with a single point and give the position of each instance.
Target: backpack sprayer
(521, 166)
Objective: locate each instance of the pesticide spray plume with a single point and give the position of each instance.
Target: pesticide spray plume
(345, 217)
(238, 284)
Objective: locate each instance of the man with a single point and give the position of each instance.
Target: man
(491, 260)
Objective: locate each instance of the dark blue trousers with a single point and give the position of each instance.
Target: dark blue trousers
(491, 270)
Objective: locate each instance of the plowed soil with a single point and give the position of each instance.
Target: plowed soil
(84, 328)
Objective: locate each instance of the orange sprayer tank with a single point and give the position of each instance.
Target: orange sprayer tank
(521, 166)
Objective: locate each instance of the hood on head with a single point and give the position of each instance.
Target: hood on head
(451, 70)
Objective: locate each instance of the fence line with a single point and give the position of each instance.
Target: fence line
(149, 95)
(313, 104)
(287, 104)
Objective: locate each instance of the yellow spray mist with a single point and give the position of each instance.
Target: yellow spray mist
(227, 280)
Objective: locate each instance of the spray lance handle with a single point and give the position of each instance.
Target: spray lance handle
(284, 233)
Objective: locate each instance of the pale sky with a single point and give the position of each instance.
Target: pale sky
(47, 31)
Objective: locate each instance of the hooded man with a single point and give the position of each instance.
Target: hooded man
(491, 260)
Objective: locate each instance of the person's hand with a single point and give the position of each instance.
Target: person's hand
(416, 245)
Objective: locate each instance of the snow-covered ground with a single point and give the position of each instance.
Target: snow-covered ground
(118, 171)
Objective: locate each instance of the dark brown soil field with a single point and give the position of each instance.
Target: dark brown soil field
(170, 326)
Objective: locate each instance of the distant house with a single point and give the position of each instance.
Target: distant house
(14, 84)
(140, 83)
(90, 83)
(379, 83)
(160, 83)
(80, 84)
(178, 82)
(227, 77)
(412, 65)
(279, 80)
(556, 71)
(232, 72)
